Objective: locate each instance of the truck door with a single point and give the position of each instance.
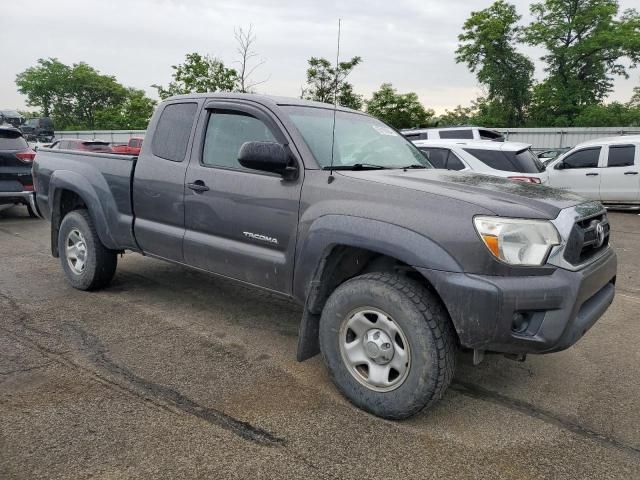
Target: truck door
(158, 186)
(580, 173)
(620, 181)
(240, 223)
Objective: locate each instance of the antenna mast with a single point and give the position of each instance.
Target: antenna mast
(335, 104)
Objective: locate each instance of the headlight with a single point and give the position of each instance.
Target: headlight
(517, 241)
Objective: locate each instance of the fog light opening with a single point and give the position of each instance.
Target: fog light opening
(520, 322)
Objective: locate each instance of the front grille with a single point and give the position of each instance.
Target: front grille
(584, 239)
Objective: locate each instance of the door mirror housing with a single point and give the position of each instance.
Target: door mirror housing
(267, 157)
(560, 166)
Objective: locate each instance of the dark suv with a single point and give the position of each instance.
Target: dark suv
(16, 158)
(38, 129)
(11, 117)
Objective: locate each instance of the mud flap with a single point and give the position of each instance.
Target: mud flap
(308, 342)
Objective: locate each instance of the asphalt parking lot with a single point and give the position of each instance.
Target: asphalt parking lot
(171, 373)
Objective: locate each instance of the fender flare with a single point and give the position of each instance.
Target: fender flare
(384, 238)
(102, 210)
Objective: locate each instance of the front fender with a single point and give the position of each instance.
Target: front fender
(330, 231)
(385, 238)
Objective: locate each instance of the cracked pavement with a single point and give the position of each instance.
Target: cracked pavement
(172, 373)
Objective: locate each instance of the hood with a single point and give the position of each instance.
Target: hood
(504, 197)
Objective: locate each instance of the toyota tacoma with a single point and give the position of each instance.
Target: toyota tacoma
(398, 265)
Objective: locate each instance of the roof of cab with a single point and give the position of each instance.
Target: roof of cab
(481, 144)
(267, 100)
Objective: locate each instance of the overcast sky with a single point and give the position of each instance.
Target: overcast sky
(409, 43)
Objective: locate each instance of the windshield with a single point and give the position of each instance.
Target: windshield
(359, 139)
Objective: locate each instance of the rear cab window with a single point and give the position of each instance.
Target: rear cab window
(621, 156)
(173, 131)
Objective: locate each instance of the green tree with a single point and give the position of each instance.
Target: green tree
(79, 96)
(487, 47)
(131, 114)
(324, 80)
(458, 116)
(30, 113)
(90, 91)
(612, 114)
(585, 43)
(44, 84)
(635, 98)
(400, 110)
(199, 74)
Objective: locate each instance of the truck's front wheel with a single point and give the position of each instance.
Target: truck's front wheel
(87, 263)
(388, 344)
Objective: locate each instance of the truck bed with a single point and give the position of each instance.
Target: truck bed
(103, 180)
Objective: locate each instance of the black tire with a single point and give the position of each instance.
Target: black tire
(100, 264)
(425, 323)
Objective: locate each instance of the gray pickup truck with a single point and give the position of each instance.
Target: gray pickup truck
(398, 265)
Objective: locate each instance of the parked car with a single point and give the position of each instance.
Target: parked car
(11, 118)
(396, 264)
(83, 145)
(16, 185)
(511, 160)
(606, 169)
(132, 147)
(462, 133)
(38, 129)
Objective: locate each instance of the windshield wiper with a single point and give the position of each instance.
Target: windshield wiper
(356, 166)
(413, 165)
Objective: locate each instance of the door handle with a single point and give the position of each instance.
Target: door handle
(198, 186)
(631, 173)
(592, 174)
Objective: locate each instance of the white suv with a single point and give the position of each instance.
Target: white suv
(606, 169)
(511, 160)
(460, 133)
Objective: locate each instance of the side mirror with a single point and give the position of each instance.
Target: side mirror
(560, 166)
(267, 157)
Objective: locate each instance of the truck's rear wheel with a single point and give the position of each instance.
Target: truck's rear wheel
(87, 263)
(388, 343)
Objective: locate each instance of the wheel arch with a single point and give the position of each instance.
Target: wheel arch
(70, 191)
(342, 247)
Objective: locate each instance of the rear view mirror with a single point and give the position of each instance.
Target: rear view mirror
(267, 157)
(560, 166)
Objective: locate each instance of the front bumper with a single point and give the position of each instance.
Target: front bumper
(26, 198)
(530, 314)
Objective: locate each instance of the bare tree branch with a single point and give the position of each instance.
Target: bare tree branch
(245, 40)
